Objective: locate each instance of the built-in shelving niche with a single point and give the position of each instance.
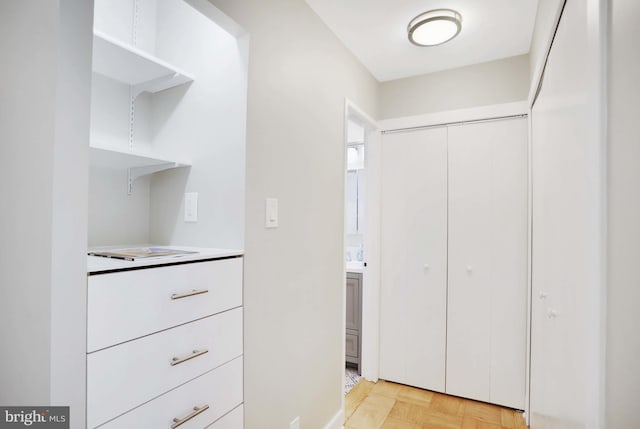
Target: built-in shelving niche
(168, 117)
(143, 72)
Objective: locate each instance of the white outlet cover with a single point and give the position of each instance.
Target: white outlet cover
(191, 207)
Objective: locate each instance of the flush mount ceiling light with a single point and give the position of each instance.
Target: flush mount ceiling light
(434, 27)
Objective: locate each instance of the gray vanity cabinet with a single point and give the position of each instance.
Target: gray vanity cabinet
(354, 318)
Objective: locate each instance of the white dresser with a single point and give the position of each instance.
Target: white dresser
(164, 342)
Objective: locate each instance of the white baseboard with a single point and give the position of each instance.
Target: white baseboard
(337, 421)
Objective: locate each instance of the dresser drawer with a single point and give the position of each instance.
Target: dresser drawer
(122, 377)
(220, 389)
(126, 305)
(233, 420)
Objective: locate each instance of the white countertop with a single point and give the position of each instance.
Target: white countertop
(98, 264)
(355, 267)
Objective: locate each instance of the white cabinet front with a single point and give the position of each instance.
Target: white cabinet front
(197, 403)
(125, 376)
(126, 305)
(165, 342)
(233, 420)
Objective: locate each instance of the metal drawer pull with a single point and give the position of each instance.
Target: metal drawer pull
(177, 361)
(177, 422)
(192, 293)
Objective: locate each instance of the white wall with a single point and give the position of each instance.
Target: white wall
(623, 318)
(115, 218)
(207, 122)
(299, 75)
(495, 82)
(29, 46)
(44, 106)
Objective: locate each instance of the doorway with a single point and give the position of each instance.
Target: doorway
(354, 250)
(360, 249)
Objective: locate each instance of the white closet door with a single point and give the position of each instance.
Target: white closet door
(567, 244)
(487, 284)
(413, 258)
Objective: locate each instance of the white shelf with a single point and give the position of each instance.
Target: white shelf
(136, 164)
(103, 156)
(132, 66)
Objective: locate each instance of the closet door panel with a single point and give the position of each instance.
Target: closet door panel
(469, 302)
(509, 282)
(486, 322)
(413, 271)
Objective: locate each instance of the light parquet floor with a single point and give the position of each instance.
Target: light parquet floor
(385, 405)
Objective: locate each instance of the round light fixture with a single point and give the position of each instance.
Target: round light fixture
(434, 27)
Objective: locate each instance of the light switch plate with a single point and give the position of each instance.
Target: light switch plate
(191, 207)
(271, 213)
(295, 423)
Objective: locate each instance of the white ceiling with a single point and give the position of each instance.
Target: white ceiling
(376, 32)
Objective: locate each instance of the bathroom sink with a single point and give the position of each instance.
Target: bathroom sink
(355, 266)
